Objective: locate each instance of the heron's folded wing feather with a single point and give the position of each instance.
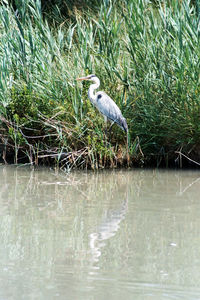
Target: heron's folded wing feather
(108, 107)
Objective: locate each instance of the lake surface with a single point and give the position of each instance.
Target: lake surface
(128, 234)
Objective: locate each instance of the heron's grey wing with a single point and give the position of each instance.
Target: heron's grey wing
(107, 106)
(110, 109)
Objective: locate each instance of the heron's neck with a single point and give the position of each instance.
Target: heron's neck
(91, 90)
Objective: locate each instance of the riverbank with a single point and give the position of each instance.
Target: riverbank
(147, 59)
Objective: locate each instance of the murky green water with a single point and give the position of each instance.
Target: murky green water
(111, 235)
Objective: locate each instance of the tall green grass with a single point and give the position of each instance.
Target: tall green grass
(147, 59)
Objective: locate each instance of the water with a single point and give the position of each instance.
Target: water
(94, 236)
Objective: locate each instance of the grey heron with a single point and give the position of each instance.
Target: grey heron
(105, 104)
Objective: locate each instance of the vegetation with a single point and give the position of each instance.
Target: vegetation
(147, 58)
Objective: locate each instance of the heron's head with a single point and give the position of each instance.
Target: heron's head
(91, 77)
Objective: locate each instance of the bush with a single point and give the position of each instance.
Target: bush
(147, 59)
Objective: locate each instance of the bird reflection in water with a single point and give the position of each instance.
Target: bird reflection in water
(106, 230)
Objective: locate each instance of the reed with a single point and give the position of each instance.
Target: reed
(147, 58)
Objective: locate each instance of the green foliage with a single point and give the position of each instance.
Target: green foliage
(146, 56)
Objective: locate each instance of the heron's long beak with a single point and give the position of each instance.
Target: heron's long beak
(82, 78)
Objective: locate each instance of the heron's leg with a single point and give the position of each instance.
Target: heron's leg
(110, 129)
(105, 119)
(106, 129)
(127, 148)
